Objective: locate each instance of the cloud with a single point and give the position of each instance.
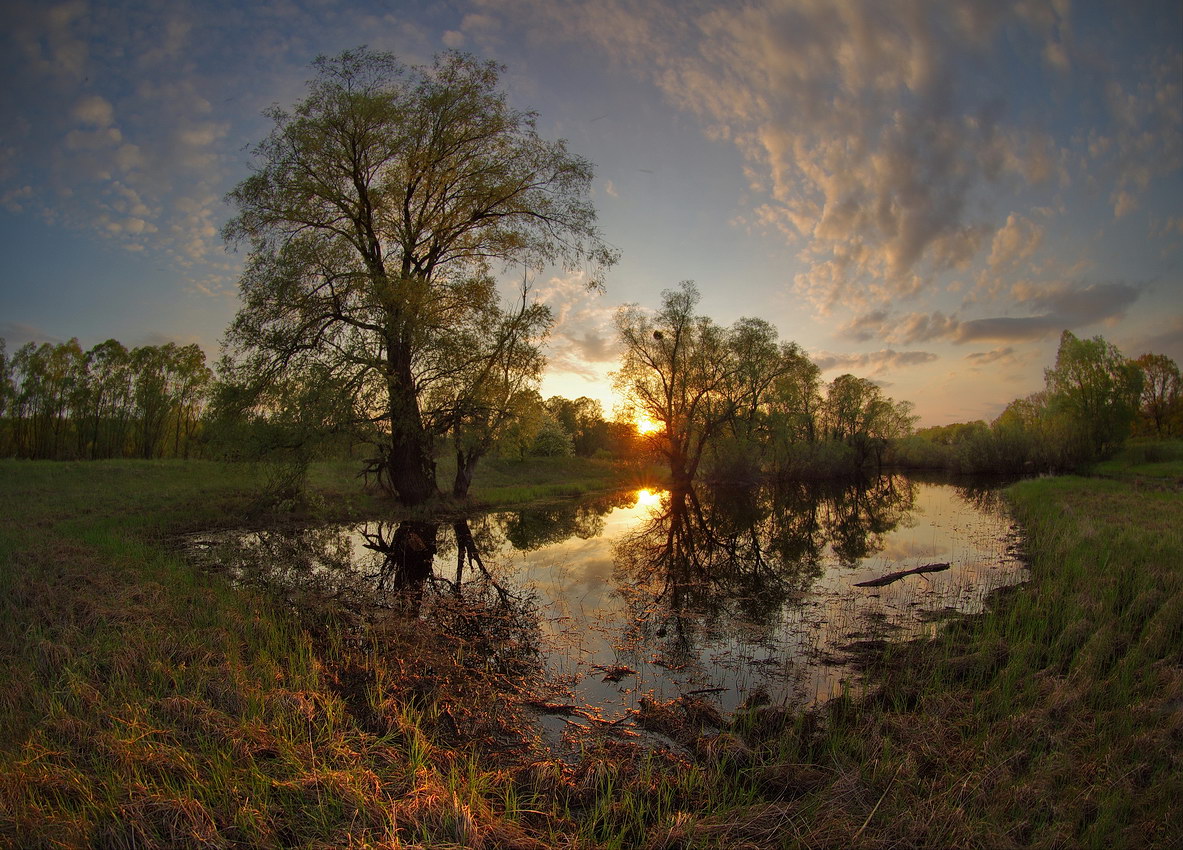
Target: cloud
(864, 327)
(16, 334)
(1017, 240)
(95, 111)
(583, 337)
(873, 362)
(159, 99)
(882, 136)
(1144, 139)
(1077, 305)
(867, 126)
(1060, 306)
(921, 327)
(984, 358)
(1055, 307)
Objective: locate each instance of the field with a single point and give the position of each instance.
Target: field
(144, 703)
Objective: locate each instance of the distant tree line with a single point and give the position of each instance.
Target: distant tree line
(1093, 400)
(734, 403)
(60, 402)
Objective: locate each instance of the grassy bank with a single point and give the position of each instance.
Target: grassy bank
(146, 704)
(143, 703)
(1055, 720)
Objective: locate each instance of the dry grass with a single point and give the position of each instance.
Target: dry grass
(144, 704)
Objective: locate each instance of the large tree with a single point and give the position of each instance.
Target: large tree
(1162, 394)
(858, 414)
(1095, 390)
(693, 376)
(378, 210)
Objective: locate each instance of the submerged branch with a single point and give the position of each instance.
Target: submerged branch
(894, 577)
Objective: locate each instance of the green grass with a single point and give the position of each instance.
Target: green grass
(144, 703)
(1151, 460)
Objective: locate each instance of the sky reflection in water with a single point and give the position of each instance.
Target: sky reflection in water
(648, 594)
(750, 592)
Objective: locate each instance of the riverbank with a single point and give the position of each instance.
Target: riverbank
(143, 703)
(1055, 720)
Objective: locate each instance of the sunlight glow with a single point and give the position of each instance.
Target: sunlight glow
(647, 497)
(646, 425)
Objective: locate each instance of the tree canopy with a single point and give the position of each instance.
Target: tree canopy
(380, 209)
(1096, 390)
(691, 375)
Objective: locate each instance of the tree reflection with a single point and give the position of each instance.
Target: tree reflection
(858, 515)
(352, 576)
(734, 558)
(406, 550)
(532, 528)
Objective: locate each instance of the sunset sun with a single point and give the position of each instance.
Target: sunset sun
(646, 426)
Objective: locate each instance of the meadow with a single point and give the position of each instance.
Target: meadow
(147, 703)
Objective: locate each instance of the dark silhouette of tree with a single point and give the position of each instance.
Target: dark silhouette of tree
(375, 215)
(693, 376)
(1161, 405)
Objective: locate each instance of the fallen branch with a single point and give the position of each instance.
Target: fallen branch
(892, 577)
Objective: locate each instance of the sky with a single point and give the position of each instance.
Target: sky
(925, 193)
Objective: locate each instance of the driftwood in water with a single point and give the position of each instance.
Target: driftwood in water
(891, 577)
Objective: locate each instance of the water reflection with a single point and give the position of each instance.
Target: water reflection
(355, 576)
(706, 561)
(660, 594)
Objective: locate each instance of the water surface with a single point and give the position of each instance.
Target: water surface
(724, 595)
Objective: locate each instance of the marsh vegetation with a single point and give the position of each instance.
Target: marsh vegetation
(722, 618)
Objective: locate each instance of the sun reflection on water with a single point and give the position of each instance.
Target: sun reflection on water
(647, 497)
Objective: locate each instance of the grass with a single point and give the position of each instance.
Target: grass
(143, 703)
(1151, 460)
(1054, 720)
(146, 704)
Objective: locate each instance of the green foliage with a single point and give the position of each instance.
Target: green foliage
(553, 440)
(858, 414)
(378, 209)
(59, 402)
(1161, 404)
(1095, 390)
(1084, 414)
(583, 419)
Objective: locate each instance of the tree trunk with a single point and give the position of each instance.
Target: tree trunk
(410, 466)
(465, 468)
(410, 471)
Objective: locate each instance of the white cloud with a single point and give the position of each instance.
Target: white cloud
(874, 362)
(583, 337)
(1017, 240)
(881, 133)
(1052, 307)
